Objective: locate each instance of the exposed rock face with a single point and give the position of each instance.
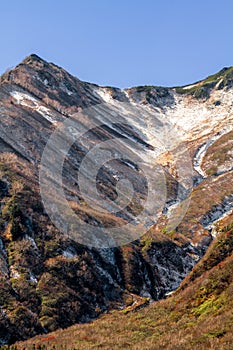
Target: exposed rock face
(50, 281)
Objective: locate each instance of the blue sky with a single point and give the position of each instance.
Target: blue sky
(121, 43)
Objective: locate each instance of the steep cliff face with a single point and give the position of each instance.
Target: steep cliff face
(49, 280)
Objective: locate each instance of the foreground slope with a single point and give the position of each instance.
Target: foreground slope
(198, 316)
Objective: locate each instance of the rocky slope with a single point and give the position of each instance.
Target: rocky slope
(49, 280)
(197, 316)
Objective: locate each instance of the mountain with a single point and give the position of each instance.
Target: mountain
(178, 141)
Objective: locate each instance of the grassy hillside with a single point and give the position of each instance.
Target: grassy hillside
(198, 316)
(202, 88)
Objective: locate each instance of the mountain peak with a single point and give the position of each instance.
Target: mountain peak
(33, 58)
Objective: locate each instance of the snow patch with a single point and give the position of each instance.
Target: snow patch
(213, 227)
(14, 273)
(170, 293)
(32, 241)
(31, 102)
(69, 253)
(217, 213)
(190, 86)
(200, 118)
(198, 159)
(105, 95)
(23, 98)
(32, 278)
(217, 85)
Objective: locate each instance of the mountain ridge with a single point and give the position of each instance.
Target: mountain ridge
(36, 58)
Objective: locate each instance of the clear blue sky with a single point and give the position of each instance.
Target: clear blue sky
(121, 43)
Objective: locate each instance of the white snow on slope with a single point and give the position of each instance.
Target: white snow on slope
(69, 253)
(190, 116)
(213, 226)
(32, 278)
(197, 162)
(31, 102)
(190, 86)
(13, 272)
(31, 240)
(189, 119)
(105, 95)
(195, 118)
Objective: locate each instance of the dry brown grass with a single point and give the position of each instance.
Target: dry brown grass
(209, 193)
(197, 317)
(219, 154)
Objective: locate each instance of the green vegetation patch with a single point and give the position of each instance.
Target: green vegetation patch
(202, 88)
